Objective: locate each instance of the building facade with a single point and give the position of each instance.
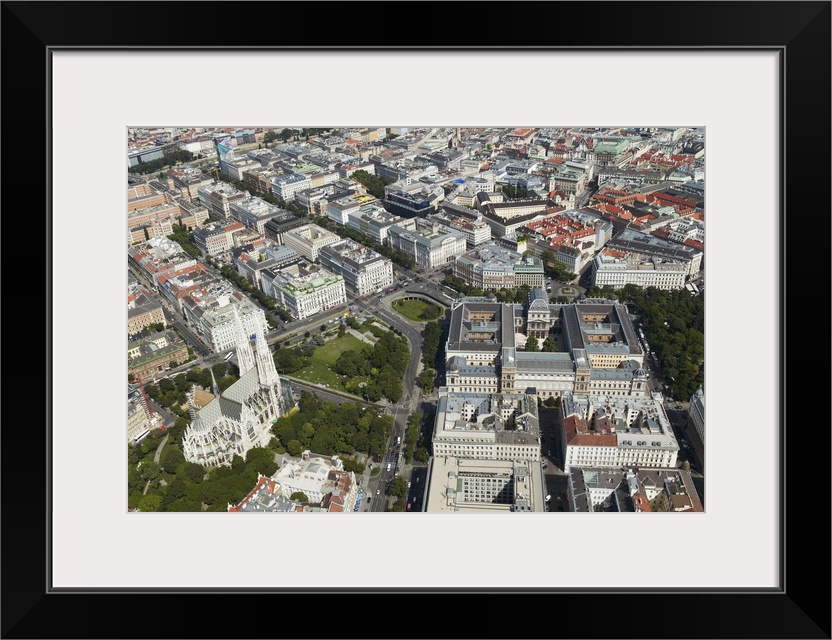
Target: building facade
(217, 321)
(608, 431)
(286, 186)
(309, 239)
(217, 197)
(304, 289)
(490, 266)
(598, 351)
(615, 268)
(696, 426)
(142, 310)
(154, 353)
(486, 426)
(632, 490)
(364, 271)
(430, 244)
(254, 213)
(464, 485)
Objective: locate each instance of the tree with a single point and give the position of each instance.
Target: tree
(171, 458)
(426, 380)
(264, 466)
(374, 184)
(550, 345)
(237, 464)
(191, 471)
(531, 344)
(184, 504)
(151, 502)
(294, 448)
(300, 496)
(134, 499)
(219, 369)
(150, 470)
(398, 487)
(176, 489)
(551, 402)
(352, 464)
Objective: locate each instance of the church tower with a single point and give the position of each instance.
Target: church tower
(245, 356)
(265, 361)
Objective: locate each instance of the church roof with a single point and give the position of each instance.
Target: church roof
(230, 402)
(248, 383)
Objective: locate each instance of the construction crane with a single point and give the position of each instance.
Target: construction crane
(153, 421)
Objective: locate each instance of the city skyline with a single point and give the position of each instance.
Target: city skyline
(347, 253)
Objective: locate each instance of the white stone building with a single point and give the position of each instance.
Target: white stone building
(217, 322)
(309, 239)
(610, 431)
(316, 477)
(286, 186)
(486, 426)
(241, 417)
(617, 268)
(364, 271)
(598, 348)
(304, 289)
(430, 244)
(464, 485)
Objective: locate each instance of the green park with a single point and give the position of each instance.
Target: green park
(418, 310)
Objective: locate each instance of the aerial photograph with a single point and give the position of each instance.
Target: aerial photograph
(415, 319)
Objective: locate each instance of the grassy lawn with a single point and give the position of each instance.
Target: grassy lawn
(324, 357)
(414, 309)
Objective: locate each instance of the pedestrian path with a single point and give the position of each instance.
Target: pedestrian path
(159, 448)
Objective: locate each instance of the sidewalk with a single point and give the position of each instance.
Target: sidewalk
(360, 336)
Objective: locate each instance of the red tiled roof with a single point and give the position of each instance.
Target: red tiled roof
(613, 253)
(593, 440)
(642, 503)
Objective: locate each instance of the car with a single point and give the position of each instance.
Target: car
(369, 500)
(408, 485)
(378, 493)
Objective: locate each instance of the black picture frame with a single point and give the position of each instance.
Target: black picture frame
(800, 31)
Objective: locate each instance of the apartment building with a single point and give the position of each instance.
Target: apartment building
(430, 244)
(309, 239)
(364, 271)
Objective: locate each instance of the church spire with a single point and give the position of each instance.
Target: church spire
(265, 360)
(215, 386)
(245, 356)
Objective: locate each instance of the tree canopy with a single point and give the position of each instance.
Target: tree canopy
(373, 183)
(674, 325)
(328, 428)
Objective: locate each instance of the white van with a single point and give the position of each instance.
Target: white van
(388, 466)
